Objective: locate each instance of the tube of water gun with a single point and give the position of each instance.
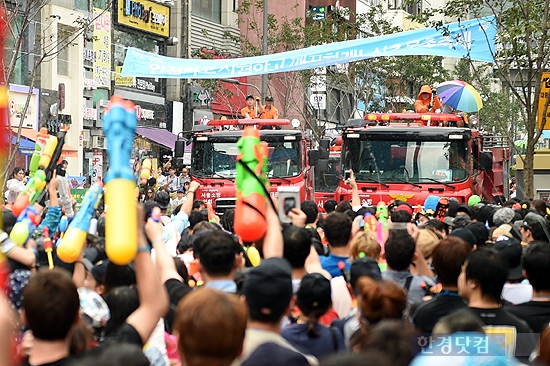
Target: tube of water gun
(145, 171)
(74, 239)
(250, 208)
(155, 214)
(41, 140)
(63, 225)
(65, 196)
(121, 220)
(48, 245)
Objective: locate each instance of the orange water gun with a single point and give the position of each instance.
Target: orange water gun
(250, 208)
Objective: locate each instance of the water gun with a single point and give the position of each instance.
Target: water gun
(41, 140)
(46, 166)
(119, 124)
(382, 227)
(70, 247)
(145, 171)
(369, 222)
(250, 208)
(48, 245)
(26, 223)
(63, 225)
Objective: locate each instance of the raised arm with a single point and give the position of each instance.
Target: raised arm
(273, 240)
(355, 200)
(166, 266)
(153, 298)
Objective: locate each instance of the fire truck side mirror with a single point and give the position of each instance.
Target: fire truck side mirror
(313, 157)
(486, 161)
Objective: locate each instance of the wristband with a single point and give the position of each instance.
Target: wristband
(7, 246)
(157, 240)
(144, 248)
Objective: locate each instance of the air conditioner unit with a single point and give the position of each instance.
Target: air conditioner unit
(98, 142)
(103, 103)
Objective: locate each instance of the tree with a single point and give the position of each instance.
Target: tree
(521, 56)
(19, 17)
(372, 83)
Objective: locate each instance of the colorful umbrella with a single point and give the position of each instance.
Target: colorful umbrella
(460, 95)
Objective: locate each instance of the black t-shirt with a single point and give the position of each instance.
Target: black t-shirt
(521, 339)
(176, 291)
(428, 313)
(271, 354)
(535, 313)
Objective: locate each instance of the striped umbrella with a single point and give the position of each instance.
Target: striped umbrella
(460, 95)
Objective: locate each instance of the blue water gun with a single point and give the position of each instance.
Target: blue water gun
(119, 125)
(70, 246)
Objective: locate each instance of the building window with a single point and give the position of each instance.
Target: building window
(207, 9)
(64, 37)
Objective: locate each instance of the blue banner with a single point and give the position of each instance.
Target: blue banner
(474, 38)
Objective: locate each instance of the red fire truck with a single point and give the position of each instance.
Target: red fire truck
(409, 156)
(214, 153)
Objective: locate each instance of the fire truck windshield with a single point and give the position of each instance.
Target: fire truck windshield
(411, 161)
(327, 181)
(218, 159)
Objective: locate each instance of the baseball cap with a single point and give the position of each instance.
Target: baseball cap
(474, 200)
(365, 266)
(448, 220)
(431, 203)
(268, 290)
(181, 190)
(465, 235)
(511, 249)
(314, 292)
(249, 96)
(503, 215)
(426, 242)
(532, 219)
(405, 207)
(163, 199)
(98, 271)
(269, 98)
(468, 210)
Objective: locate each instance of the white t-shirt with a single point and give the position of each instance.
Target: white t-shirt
(517, 293)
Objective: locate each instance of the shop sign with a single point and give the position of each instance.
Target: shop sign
(97, 166)
(145, 15)
(102, 48)
(123, 80)
(90, 114)
(144, 114)
(17, 98)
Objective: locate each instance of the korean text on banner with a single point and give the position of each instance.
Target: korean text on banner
(543, 97)
(102, 48)
(473, 38)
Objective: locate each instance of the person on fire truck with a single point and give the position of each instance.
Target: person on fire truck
(428, 101)
(253, 108)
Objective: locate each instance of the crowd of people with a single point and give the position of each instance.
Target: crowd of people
(386, 285)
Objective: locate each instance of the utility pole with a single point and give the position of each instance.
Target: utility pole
(264, 50)
(186, 41)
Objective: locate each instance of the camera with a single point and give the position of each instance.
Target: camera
(289, 198)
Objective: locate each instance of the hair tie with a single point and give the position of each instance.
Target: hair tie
(362, 255)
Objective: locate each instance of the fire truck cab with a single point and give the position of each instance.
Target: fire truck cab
(409, 156)
(214, 154)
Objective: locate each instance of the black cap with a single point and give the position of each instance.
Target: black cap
(269, 98)
(465, 235)
(365, 266)
(249, 96)
(98, 271)
(468, 210)
(314, 292)
(268, 290)
(163, 199)
(511, 249)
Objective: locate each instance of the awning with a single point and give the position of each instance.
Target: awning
(25, 146)
(160, 136)
(31, 134)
